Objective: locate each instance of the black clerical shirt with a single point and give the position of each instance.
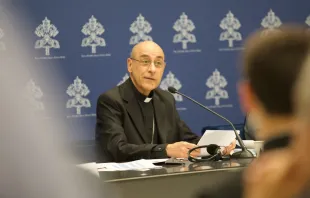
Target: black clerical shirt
(150, 127)
(147, 110)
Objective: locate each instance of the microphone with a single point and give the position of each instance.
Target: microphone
(244, 153)
(212, 149)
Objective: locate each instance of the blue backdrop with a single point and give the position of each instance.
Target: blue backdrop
(89, 42)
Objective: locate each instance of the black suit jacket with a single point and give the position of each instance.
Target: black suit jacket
(120, 128)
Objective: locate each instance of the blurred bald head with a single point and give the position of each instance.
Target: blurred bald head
(272, 64)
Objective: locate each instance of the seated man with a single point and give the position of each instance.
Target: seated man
(138, 120)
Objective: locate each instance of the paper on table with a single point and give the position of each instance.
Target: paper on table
(219, 137)
(134, 165)
(91, 167)
(156, 160)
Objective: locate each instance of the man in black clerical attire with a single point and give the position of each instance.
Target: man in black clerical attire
(138, 120)
(271, 67)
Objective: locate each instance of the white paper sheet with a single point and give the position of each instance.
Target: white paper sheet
(157, 160)
(141, 165)
(91, 167)
(219, 137)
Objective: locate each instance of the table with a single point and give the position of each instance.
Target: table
(171, 180)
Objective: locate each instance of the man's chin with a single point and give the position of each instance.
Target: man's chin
(149, 86)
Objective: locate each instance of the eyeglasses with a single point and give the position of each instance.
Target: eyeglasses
(147, 62)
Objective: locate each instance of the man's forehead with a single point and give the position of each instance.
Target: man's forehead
(151, 55)
(148, 48)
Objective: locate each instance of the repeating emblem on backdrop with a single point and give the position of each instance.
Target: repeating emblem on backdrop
(125, 77)
(171, 81)
(47, 33)
(270, 22)
(2, 44)
(184, 26)
(78, 91)
(34, 94)
(230, 24)
(216, 82)
(140, 28)
(93, 29)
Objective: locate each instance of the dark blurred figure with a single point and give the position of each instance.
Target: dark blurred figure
(272, 67)
(286, 173)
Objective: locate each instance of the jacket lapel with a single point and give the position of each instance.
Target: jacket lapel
(133, 108)
(160, 115)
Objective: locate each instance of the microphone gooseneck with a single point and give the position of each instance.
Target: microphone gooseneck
(245, 153)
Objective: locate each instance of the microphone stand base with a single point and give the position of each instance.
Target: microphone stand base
(242, 154)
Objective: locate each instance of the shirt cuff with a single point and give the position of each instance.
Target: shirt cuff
(159, 151)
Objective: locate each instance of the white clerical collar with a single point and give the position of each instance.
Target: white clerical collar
(147, 100)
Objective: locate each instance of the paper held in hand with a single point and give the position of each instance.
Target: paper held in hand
(218, 137)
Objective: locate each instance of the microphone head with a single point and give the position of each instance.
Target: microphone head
(213, 149)
(172, 90)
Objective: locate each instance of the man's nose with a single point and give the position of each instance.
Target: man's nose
(152, 67)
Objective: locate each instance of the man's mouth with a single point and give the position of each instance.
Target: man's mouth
(149, 78)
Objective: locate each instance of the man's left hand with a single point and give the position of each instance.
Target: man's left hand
(227, 150)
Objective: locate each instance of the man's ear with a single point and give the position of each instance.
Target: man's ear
(129, 65)
(246, 96)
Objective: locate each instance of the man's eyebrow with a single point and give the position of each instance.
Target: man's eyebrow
(160, 57)
(144, 56)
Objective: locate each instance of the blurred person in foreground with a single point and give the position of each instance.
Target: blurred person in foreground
(35, 161)
(286, 173)
(272, 67)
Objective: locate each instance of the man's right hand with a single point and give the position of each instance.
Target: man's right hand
(180, 150)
